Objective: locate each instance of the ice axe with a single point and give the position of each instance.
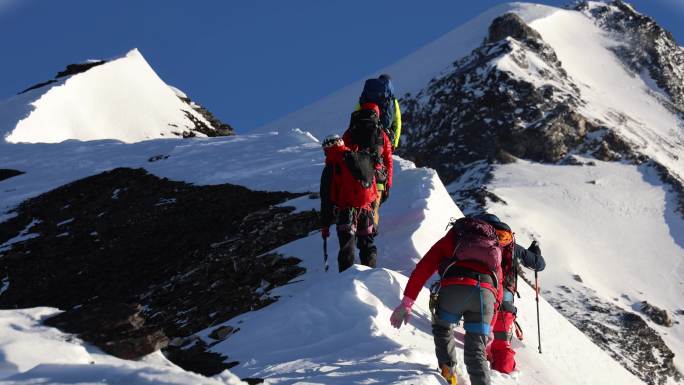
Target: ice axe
(536, 290)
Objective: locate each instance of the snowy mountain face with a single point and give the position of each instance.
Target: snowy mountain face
(483, 110)
(523, 95)
(647, 47)
(121, 99)
(533, 113)
(566, 123)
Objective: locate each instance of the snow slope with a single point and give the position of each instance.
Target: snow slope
(612, 224)
(327, 327)
(123, 99)
(292, 156)
(333, 328)
(614, 95)
(331, 114)
(622, 235)
(34, 354)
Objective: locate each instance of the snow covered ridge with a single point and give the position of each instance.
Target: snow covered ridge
(646, 46)
(35, 354)
(571, 88)
(311, 338)
(122, 99)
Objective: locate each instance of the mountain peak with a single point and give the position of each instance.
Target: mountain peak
(121, 98)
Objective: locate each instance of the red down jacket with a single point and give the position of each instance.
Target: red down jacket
(339, 188)
(428, 265)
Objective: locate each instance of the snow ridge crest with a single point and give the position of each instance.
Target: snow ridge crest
(122, 99)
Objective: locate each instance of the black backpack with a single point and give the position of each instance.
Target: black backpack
(362, 166)
(366, 131)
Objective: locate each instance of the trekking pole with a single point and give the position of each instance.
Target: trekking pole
(536, 289)
(325, 253)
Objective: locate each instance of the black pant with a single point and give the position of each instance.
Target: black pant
(356, 226)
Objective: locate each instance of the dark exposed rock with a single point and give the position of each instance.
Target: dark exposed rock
(475, 116)
(253, 381)
(196, 358)
(657, 315)
(510, 25)
(6, 173)
(73, 69)
(477, 112)
(216, 127)
(157, 158)
(577, 278)
(117, 328)
(222, 332)
(648, 47)
(623, 334)
(193, 256)
(36, 86)
(219, 128)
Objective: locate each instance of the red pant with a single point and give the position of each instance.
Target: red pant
(502, 356)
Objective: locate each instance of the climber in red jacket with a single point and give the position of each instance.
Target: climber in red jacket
(471, 259)
(347, 193)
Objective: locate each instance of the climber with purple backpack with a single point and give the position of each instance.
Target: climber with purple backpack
(471, 287)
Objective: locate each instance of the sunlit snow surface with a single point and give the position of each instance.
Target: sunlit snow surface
(330, 328)
(622, 233)
(618, 98)
(612, 224)
(326, 328)
(122, 99)
(410, 74)
(34, 354)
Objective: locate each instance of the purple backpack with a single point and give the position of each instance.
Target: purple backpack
(476, 241)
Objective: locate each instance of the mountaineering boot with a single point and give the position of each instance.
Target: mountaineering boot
(448, 374)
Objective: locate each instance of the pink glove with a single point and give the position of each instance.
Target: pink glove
(325, 232)
(402, 314)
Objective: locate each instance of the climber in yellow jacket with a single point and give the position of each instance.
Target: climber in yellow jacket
(381, 92)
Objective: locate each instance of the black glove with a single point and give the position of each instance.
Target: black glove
(385, 195)
(534, 247)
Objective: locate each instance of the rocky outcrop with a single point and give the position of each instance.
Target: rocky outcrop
(211, 126)
(479, 112)
(623, 334)
(218, 128)
(648, 48)
(656, 314)
(191, 256)
(194, 355)
(510, 99)
(117, 328)
(71, 69)
(6, 173)
(511, 25)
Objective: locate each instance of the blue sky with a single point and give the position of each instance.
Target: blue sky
(249, 62)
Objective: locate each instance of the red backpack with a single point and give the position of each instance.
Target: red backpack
(475, 241)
